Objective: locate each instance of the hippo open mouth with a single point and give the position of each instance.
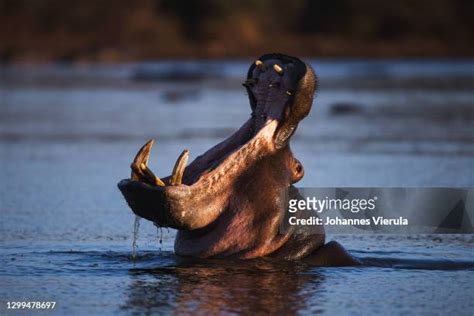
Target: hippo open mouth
(230, 201)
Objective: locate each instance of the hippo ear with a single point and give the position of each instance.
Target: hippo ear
(299, 108)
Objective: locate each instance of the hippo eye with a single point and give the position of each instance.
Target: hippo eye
(299, 168)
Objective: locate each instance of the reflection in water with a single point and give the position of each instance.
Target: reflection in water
(223, 286)
(171, 284)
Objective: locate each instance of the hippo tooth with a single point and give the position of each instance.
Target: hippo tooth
(178, 170)
(151, 176)
(140, 170)
(278, 69)
(260, 65)
(142, 156)
(135, 172)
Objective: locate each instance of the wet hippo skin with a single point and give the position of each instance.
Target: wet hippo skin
(231, 200)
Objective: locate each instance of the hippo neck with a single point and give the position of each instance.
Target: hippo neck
(258, 201)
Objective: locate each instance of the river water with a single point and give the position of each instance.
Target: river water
(69, 132)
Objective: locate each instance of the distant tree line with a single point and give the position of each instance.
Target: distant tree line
(116, 30)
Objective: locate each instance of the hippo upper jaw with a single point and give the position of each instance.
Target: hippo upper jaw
(280, 90)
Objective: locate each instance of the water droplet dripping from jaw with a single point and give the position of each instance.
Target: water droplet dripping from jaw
(159, 232)
(136, 228)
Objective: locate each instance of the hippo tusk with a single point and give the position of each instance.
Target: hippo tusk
(142, 156)
(151, 176)
(140, 170)
(278, 69)
(178, 170)
(260, 65)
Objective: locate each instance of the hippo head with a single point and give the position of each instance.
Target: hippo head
(230, 200)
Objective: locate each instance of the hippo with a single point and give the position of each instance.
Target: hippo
(230, 202)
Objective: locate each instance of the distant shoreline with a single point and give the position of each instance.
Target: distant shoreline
(314, 47)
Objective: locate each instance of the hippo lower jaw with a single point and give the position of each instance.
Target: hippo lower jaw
(193, 199)
(230, 201)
